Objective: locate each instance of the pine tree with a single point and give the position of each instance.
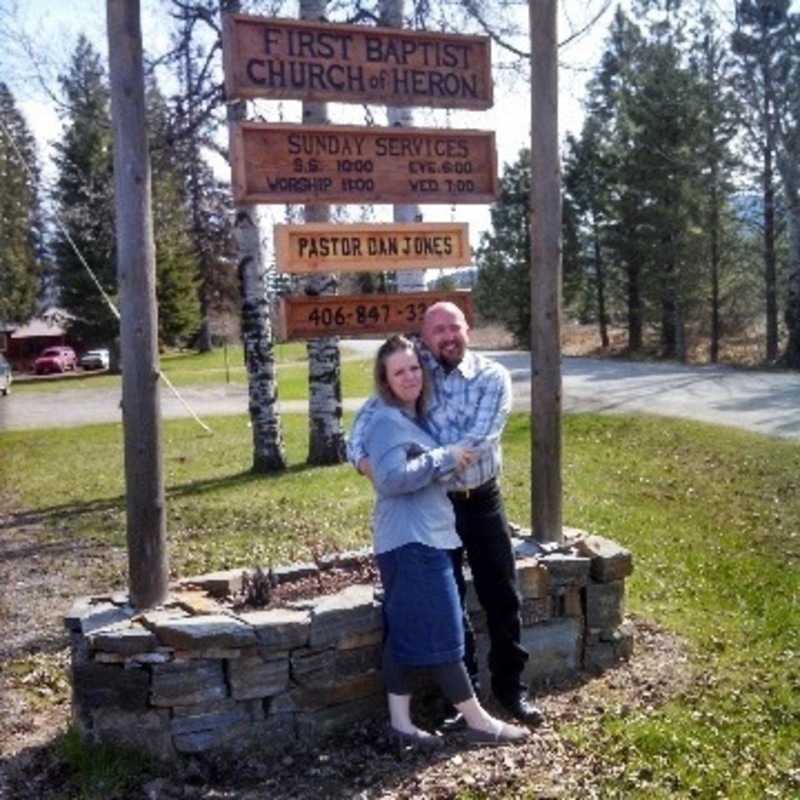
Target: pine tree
(176, 265)
(768, 43)
(502, 289)
(85, 196)
(20, 219)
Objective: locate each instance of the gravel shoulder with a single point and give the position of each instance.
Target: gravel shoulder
(43, 574)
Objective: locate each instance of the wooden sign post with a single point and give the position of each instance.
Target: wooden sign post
(362, 314)
(284, 163)
(371, 247)
(281, 58)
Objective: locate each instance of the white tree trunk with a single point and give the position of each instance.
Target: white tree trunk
(326, 440)
(257, 337)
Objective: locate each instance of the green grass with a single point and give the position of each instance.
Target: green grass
(712, 516)
(204, 369)
(102, 771)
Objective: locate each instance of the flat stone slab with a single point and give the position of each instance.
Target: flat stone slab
(533, 578)
(87, 615)
(279, 628)
(196, 602)
(554, 648)
(605, 604)
(344, 691)
(253, 676)
(219, 584)
(202, 633)
(294, 572)
(313, 667)
(110, 685)
(610, 561)
(147, 731)
(567, 568)
(187, 683)
(348, 558)
(350, 611)
(124, 639)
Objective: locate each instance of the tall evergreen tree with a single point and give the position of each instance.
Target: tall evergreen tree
(502, 288)
(769, 33)
(177, 268)
(756, 44)
(84, 194)
(719, 112)
(20, 218)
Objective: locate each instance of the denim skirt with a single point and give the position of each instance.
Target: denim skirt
(421, 611)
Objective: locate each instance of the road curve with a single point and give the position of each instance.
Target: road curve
(765, 402)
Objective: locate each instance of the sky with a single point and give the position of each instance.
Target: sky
(54, 25)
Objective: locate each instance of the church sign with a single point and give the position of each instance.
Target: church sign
(307, 317)
(318, 61)
(371, 247)
(288, 163)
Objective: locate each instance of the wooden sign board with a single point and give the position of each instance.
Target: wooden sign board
(362, 314)
(371, 247)
(281, 58)
(286, 163)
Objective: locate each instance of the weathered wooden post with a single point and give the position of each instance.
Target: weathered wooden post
(144, 477)
(545, 275)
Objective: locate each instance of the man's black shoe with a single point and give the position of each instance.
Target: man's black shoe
(520, 707)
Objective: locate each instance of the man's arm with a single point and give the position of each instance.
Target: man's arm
(356, 443)
(493, 408)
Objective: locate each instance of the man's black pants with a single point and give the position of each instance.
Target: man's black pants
(481, 523)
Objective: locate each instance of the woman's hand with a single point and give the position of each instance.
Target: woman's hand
(464, 456)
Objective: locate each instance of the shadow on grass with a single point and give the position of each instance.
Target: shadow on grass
(48, 515)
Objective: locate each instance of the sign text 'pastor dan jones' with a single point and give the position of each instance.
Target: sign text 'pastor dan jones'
(355, 63)
(285, 163)
(371, 247)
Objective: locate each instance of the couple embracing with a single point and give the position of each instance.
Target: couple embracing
(430, 442)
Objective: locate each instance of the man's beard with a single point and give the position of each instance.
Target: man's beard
(452, 358)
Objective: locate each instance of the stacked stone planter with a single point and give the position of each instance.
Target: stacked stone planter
(195, 675)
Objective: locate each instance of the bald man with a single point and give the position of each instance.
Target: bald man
(470, 402)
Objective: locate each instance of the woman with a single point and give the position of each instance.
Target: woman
(414, 530)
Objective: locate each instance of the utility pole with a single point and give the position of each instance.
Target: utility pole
(545, 275)
(144, 475)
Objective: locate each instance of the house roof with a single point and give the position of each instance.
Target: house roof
(49, 323)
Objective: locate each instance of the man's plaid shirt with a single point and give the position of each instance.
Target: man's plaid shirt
(468, 406)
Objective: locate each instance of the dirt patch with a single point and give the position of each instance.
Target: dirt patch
(41, 575)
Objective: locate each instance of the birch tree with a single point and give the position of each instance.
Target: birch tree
(326, 440)
(257, 334)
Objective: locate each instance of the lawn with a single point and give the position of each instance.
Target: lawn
(711, 514)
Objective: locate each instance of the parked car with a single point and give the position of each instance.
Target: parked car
(55, 359)
(94, 359)
(5, 376)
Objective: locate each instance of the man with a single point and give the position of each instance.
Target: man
(470, 403)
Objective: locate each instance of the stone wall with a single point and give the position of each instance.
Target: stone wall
(194, 675)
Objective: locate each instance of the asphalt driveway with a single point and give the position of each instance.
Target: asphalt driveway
(766, 402)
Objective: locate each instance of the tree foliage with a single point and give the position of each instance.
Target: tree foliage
(84, 194)
(21, 234)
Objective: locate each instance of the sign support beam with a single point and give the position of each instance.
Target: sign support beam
(545, 275)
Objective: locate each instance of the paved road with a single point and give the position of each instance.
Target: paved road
(766, 402)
